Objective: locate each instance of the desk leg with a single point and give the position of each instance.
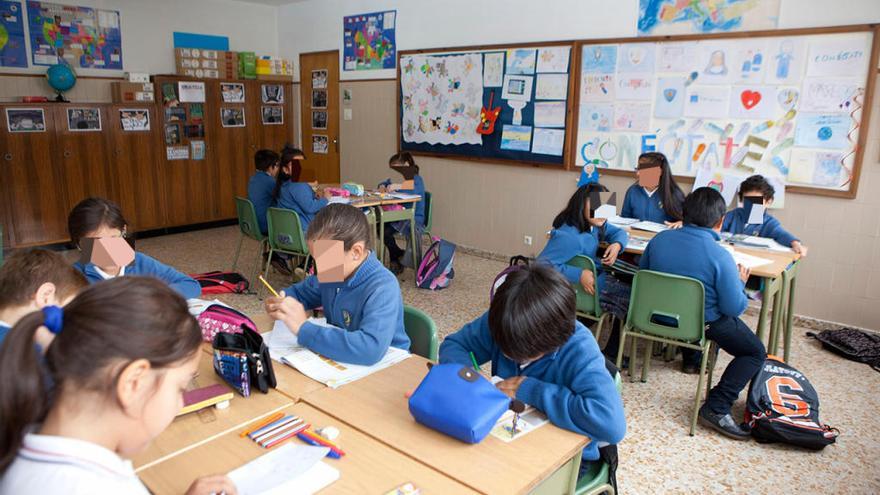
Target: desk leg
(778, 303)
(789, 313)
(381, 236)
(413, 243)
(766, 295)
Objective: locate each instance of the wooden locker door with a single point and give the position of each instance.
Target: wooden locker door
(135, 155)
(31, 182)
(320, 115)
(232, 151)
(83, 154)
(274, 122)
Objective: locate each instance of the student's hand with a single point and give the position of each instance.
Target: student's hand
(314, 184)
(588, 282)
(674, 225)
(799, 248)
(208, 485)
(743, 273)
(510, 386)
(288, 310)
(611, 253)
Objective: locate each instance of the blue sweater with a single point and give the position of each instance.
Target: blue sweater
(694, 252)
(300, 197)
(260, 189)
(3, 331)
(147, 266)
(419, 185)
(367, 309)
(637, 204)
(566, 242)
(735, 223)
(570, 385)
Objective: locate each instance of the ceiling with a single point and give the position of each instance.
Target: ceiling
(276, 3)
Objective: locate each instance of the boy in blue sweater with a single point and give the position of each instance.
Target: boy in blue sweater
(693, 251)
(759, 190)
(33, 279)
(97, 228)
(547, 358)
(262, 184)
(404, 164)
(298, 196)
(365, 308)
(656, 197)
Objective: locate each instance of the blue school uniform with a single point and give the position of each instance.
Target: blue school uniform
(300, 197)
(4, 329)
(418, 188)
(570, 385)
(144, 265)
(639, 204)
(694, 252)
(260, 189)
(566, 242)
(735, 222)
(367, 308)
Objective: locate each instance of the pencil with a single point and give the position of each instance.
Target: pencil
(474, 360)
(268, 286)
(256, 426)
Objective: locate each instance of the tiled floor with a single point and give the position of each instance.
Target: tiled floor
(657, 455)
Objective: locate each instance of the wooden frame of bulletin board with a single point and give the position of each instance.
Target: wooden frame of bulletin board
(490, 148)
(603, 127)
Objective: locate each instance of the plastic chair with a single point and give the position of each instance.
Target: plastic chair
(668, 309)
(429, 213)
(588, 305)
(422, 333)
(598, 480)
(285, 236)
(247, 224)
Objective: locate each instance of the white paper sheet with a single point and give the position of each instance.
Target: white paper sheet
(753, 102)
(550, 114)
(710, 102)
(553, 59)
(843, 55)
(289, 469)
(828, 95)
(635, 86)
(493, 69)
(548, 141)
(649, 226)
(191, 92)
(551, 87)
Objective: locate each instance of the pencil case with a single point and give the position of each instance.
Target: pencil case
(338, 191)
(353, 188)
(243, 361)
(457, 400)
(217, 318)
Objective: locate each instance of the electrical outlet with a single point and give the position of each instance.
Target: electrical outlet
(527, 240)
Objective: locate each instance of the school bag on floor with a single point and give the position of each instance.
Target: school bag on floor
(784, 407)
(435, 271)
(852, 344)
(222, 282)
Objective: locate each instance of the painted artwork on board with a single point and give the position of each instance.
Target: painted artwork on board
(368, 41)
(82, 37)
(13, 52)
(664, 17)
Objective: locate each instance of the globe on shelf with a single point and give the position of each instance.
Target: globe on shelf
(61, 78)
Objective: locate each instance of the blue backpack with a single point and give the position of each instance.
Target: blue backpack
(435, 271)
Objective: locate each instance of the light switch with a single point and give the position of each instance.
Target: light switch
(346, 114)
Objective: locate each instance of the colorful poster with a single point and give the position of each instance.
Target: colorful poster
(669, 102)
(632, 117)
(635, 86)
(550, 114)
(521, 61)
(599, 59)
(493, 69)
(725, 182)
(516, 138)
(13, 52)
(596, 117)
(597, 87)
(662, 17)
(83, 37)
(442, 97)
(820, 168)
(551, 87)
(134, 119)
(786, 58)
(829, 95)
(636, 57)
(368, 41)
(548, 142)
(715, 65)
(707, 102)
(816, 130)
(748, 61)
(753, 102)
(841, 57)
(676, 57)
(553, 59)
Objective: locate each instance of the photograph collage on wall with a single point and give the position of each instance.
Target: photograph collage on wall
(83, 119)
(134, 119)
(320, 142)
(25, 120)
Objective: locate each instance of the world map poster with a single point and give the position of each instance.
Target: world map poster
(81, 36)
(368, 41)
(13, 52)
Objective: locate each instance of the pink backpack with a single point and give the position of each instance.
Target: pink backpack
(217, 318)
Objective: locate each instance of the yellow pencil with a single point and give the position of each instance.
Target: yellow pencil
(268, 286)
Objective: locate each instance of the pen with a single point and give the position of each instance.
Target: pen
(308, 440)
(268, 286)
(474, 360)
(254, 427)
(513, 426)
(289, 434)
(323, 441)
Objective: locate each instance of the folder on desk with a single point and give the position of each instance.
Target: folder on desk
(649, 226)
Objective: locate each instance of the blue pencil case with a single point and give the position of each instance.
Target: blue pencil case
(456, 400)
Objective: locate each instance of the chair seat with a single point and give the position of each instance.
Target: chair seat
(592, 479)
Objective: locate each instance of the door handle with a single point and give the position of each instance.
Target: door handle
(336, 144)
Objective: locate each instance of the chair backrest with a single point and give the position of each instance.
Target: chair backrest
(586, 303)
(422, 333)
(285, 231)
(429, 211)
(247, 218)
(668, 306)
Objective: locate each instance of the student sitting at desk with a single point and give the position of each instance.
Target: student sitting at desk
(33, 279)
(404, 164)
(757, 189)
(360, 297)
(693, 251)
(297, 196)
(547, 358)
(262, 184)
(123, 353)
(656, 196)
(577, 232)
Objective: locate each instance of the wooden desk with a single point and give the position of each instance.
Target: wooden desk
(368, 466)
(199, 427)
(291, 382)
(376, 405)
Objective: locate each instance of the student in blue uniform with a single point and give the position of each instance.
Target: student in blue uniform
(656, 197)
(32, 279)
(547, 358)
(298, 196)
(262, 184)
(736, 221)
(693, 251)
(366, 307)
(98, 221)
(404, 164)
(577, 232)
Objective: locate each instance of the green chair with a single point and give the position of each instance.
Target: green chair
(429, 213)
(422, 333)
(370, 213)
(587, 304)
(249, 227)
(668, 309)
(598, 480)
(285, 236)
(391, 216)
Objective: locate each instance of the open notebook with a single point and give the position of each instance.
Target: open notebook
(649, 226)
(530, 419)
(289, 469)
(284, 347)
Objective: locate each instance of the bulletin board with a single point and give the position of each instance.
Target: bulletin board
(791, 105)
(442, 94)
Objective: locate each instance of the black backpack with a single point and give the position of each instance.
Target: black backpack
(852, 344)
(784, 407)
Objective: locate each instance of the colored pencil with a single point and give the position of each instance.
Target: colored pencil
(289, 435)
(474, 360)
(254, 427)
(268, 286)
(323, 441)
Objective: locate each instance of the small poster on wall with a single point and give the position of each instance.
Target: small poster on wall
(368, 41)
(319, 79)
(191, 91)
(198, 150)
(134, 119)
(320, 144)
(232, 92)
(83, 119)
(177, 152)
(172, 134)
(232, 116)
(273, 93)
(319, 119)
(25, 120)
(319, 98)
(273, 115)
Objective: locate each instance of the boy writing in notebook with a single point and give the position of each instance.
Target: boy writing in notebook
(546, 357)
(757, 190)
